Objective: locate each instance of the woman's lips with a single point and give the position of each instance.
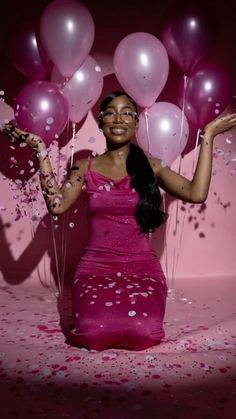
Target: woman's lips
(118, 131)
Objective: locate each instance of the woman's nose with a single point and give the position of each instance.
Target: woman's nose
(117, 117)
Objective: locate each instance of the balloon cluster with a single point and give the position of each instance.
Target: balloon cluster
(141, 65)
(188, 33)
(60, 42)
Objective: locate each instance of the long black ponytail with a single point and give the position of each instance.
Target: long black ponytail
(148, 214)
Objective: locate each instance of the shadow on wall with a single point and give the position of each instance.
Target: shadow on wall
(74, 236)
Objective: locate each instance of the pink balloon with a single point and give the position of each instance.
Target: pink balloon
(26, 52)
(67, 33)
(56, 77)
(163, 133)
(6, 113)
(83, 89)
(41, 109)
(141, 66)
(188, 33)
(207, 93)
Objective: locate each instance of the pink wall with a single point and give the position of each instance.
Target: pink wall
(204, 243)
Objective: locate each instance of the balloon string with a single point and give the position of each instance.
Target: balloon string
(56, 256)
(65, 223)
(147, 128)
(165, 243)
(182, 111)
(59, 280)
(175, 255)
(180, 240)
(32, 230)
(73, 144)
(195, 149)
(174, 252)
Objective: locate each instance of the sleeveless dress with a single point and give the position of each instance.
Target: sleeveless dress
(119, 290)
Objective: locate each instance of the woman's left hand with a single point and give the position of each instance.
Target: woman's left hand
(221, 124)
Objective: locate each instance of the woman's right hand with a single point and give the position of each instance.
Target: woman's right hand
(18, 136)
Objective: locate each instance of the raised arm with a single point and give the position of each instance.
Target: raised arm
(58, 198)
(195, 190)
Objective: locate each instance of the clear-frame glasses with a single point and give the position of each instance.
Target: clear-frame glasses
(127, 116)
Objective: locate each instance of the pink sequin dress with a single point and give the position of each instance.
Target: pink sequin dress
(119, 290)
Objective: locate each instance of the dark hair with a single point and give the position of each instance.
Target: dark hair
(148, 214)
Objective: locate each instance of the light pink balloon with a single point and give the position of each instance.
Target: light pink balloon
(83, 89)
(163, 133)
(26, 52)
(67, 33)
(57, 78)
(141, 66)
(41, 109)
(6, 113)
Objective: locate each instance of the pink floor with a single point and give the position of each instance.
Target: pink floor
(192, 374)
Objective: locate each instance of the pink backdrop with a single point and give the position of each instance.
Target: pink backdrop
(202, 245)
(192, 372)
(203, 242)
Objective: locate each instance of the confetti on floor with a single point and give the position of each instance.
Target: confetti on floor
(191, 374)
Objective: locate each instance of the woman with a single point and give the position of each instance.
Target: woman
(119, 290)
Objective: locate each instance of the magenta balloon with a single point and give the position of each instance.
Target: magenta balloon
(41, 109)
(207, 93)
(164, 133)
(67, 33)
(188, 33)
(83, 89)
(141, 66)
(26, 52)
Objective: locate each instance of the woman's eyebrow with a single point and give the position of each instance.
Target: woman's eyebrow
(122, 107)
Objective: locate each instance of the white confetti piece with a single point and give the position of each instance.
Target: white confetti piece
(132, 313)
(50, 120)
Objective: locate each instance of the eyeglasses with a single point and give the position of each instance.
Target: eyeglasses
(127, 116)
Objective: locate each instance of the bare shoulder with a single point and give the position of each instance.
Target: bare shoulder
(80, 166)
(155, 164)
(79, 163)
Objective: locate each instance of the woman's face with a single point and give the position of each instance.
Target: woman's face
(119, 120)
